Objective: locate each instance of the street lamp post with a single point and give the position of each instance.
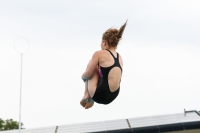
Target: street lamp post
(21, 45)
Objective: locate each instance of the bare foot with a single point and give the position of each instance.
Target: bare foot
(83, 101)
(89, 104)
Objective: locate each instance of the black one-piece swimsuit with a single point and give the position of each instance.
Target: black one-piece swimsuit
(103, 95)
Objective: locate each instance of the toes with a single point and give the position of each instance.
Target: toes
(83, 103)
(88, 105)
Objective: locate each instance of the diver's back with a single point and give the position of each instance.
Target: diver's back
(111, 64)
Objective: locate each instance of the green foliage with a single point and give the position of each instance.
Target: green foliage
(1, 124)
(9, 124)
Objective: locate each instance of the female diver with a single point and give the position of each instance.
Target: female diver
(103, 74)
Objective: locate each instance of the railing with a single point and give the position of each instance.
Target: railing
(56, 129)
(185, 112)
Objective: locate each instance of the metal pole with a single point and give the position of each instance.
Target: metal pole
(21, 45)
(20, 95)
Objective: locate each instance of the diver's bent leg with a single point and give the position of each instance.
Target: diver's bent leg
(86, 95)
(86, 81)
(92, 82)
(90, 88)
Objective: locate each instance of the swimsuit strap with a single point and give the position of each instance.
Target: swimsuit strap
(112, 54)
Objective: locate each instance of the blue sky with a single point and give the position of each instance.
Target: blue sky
(160, 49)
